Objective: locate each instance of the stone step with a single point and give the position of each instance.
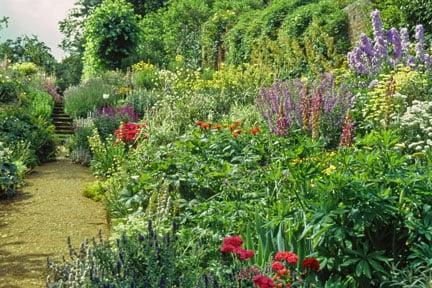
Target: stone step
(64, 131)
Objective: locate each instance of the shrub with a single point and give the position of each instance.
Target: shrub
(9, 91)
(39, 104)
(78, 144)
(107, 157)
(318, 109)
(111, 34)
(25, 69)
(140, 260)
(16, 126)
(94, 191)
(9, 174)
(144, 75)
(89, 96)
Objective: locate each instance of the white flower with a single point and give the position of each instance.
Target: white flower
(135, 177)
(105, 96)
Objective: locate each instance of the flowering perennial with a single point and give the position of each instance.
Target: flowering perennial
(368, 58)
(287, 106)
(128, 132)
(235, 128)
(232, 245)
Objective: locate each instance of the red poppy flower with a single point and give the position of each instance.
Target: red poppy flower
(311, 263)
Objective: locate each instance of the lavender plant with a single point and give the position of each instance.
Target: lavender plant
(139, 260)
(388, 49)
(318, 108)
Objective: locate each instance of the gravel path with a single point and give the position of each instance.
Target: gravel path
(35, 224)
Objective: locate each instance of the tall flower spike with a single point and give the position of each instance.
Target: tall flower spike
(380, 46)
(405, 41)
(396, 41)
(347, 137)
(420, 46)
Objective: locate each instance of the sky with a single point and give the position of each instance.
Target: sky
(38, 17)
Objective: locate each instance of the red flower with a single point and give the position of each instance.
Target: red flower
(254, 131)
(311, 263)
(128, 132)
(235, 241)
(279, 256)
(233, 126)
(231, 244)
(236, 133)
(289, 257)
(277, 266)
(205, 125)
(283, 272)
(217, 126)
(288, 285)
(227, 248)
(244, 254)
(262, 281)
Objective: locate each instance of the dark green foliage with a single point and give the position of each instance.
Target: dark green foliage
(111, 37)
(9, 91)
(417, 12)
(16, 126)
(9, 179)
(28, 49)
(68, 72)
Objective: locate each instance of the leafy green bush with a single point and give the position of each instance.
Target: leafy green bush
(111, 34)
(78, 145)
(16, 126)
(9, 174)
(39, 104)
(94, 191)
(89, 96)
(9, 91)
(108, 156)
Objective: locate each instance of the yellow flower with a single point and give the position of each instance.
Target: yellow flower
(179, 58)
(329, 170)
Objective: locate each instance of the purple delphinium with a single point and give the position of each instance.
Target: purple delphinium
(380, 46)
(420, 46)
(365, 60)
(366, 45)
(396, 41)
(357, 61)
(405, 41)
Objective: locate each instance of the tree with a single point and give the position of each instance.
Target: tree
(111, 34)
(68, 72)
(28, 49)
(72, 26)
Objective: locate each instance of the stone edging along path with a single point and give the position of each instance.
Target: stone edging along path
(35, 223)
